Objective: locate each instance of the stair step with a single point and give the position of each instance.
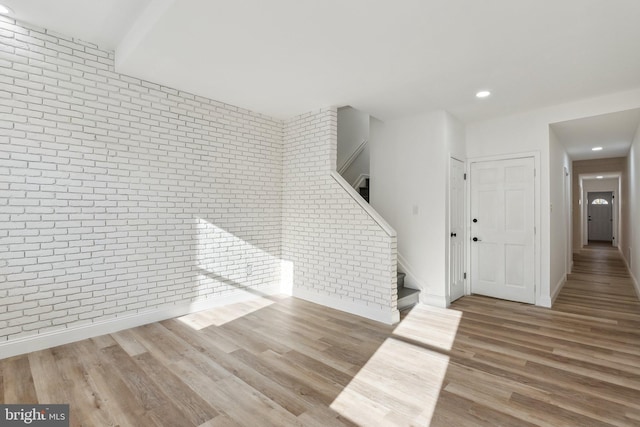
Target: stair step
(401, 277)
(364, 192)
(407, 297)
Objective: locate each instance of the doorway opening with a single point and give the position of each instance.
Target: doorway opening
(600, 208)
(600, 217)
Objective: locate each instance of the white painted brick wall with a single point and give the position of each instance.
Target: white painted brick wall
(339, 253)
(119, 195)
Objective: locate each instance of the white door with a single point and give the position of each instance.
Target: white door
(502, 229)
(600, 215)
(456, 229)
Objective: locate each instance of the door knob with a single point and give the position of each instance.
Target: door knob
(453, 234)
(475, 219)
(475, 239)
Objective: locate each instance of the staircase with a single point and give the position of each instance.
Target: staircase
(407, 297)
(364, 191)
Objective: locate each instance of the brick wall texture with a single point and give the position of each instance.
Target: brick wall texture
(120, 196)
(337, 250)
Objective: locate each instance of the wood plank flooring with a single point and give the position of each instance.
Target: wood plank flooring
(283, 361)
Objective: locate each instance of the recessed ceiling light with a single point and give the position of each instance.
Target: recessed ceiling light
(483, 94)
(596, 149)
(5, 10)
(599, 176)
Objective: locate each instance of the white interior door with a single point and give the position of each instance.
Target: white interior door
(502, 229)
(456, 230)
(600, 215)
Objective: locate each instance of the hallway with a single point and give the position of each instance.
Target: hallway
(576, 364)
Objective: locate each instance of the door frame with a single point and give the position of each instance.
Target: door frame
(466, 214)
(584, 215)
(540, 298)
(610, 208)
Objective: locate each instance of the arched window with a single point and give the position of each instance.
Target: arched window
(599, 202)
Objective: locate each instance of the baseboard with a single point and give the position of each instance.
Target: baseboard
(559, 287)
(410, 280)
(544, 301)
(377, 313)
(69, 335)
(636, 287)
(434, 300)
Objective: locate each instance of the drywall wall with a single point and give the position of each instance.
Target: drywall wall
(529, 132)
(340, 255)
(409, 173)
(559, 210)
(121, 200)
(630, 245)
(353, 129)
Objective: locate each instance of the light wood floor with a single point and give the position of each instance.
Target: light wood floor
(288, 362)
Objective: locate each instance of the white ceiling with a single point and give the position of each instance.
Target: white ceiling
(613, 132)
(388, 58)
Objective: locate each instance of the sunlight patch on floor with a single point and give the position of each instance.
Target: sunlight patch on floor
(399, 385)
(431, 326)
(412, 363)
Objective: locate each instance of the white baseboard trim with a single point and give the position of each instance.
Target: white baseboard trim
(377, 313)
(636, 286)
(434, 300)
(544, 301)
(558, 288)
(65, 336)
(410, 280)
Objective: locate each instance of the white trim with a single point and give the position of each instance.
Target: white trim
(466, 218)
(558, 288)
(364, 205)
(353, 157)
(615, 213)
(373, 312)
(636, 286)
(541, 300)
(434, 300)
(358, 182)
(411, 280)
(51, 339)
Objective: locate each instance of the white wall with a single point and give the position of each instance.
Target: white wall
(560, 213)
(340, 255)
(529, 131)
(630, 247)
(409, 173)
(353, 129)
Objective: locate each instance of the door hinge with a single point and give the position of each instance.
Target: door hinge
(465, 176)
(534, 172)
(465, 276)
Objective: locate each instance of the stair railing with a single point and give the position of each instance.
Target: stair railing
(353, 156)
